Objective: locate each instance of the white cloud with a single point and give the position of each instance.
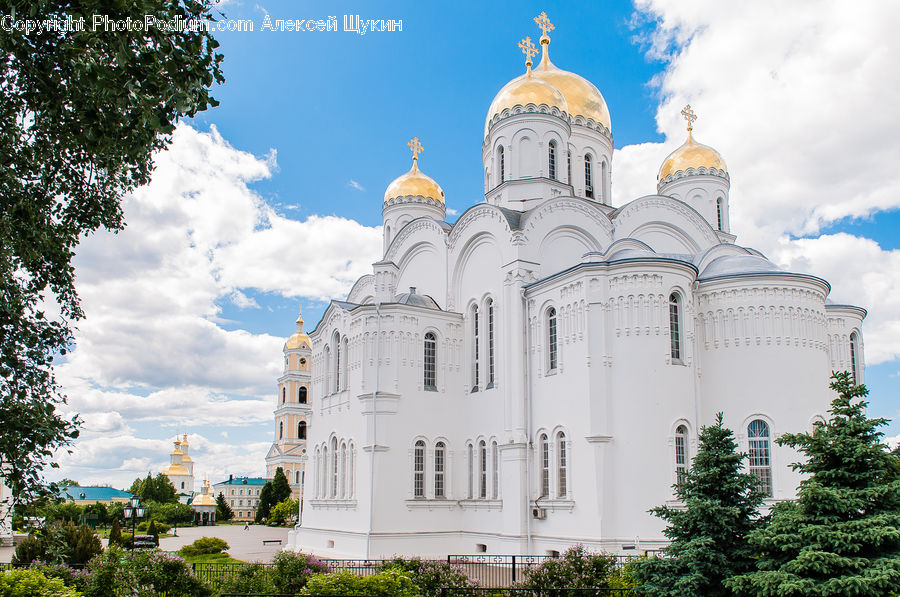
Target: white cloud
(355, 185)
(451, 211)
(800, 100)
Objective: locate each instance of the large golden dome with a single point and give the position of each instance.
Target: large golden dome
(414, 184)
(524, 90)
(691, 155)
(582, 97)
(300, 338)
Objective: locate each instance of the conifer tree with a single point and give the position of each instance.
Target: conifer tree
(115, 533)
(223, 510)
(281, 488)
(842, 534)
(707, 535)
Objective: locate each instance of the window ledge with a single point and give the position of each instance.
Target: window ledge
(431, 388)
(553, 504)
(479, 504)
(551, 372)
(333, 504)
(431, 504)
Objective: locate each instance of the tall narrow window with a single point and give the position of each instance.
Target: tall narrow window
(327, 380)
(719, 215)
(502, 164)
(439, 463)
(552, 346)
(760, 461)
(337, 363)
(345, 375)
(551, 157)
(297, 478)
(604, 182)
(674, 325)
(475, 350)
(588, 179)
(343, 493)
(419, 469)
(283, 395)
(482, 470)
(351, 482)
(430, 352)
(334, 467)
(301, 430)
(681, 454)
(323, 467)
(563, 465)
(569, 167)
(495, 471)
(854, 357)
(281, 430)
(544, 446)
(301, 395)
(490, 339)
(471, 462)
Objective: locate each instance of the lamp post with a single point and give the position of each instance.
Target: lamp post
(133, 510)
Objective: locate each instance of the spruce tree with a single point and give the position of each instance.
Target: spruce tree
(842, 534)
(115, 533)
(265, 503)
(707, 535)
(223, 510)
(281, 489)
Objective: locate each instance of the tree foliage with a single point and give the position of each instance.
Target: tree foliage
(281, 489)
(708, 535)
(266, 502)
(842, 534)
(223, 510)
(155, 489)
(81, 114)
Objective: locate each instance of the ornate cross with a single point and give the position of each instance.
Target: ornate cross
(689, 116)
(544, 23)
(528, 49)
(416, 147)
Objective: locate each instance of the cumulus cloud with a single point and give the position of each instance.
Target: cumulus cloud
(799, 99)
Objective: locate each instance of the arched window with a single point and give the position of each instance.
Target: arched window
(588, 180)
(551, 157)
(482, 470)
(471, 462)
(343, 493)
(681, 453)
(327, 381)
(495, 470)
(320, 458)
(297, 481)
(301, 395)
(337, 363)
(544, 446)
(301, 430)
(475, 350)
(419, 469)
(854, 357)
(760, 460)
(569, 167)
(604, 181)
(439, 465)
(334, 467)
(720, 216)
(562, 468)
(675, 325)
(345, 374)
(501, 168)
(490, 341)
(281, 430)
(552, 346)
(323, 477)
(283, 395)
(351, 482)
(429, 367)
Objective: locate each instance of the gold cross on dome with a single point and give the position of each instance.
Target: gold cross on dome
(689, 116)
(528, 49)
(416, 147)
(544, 23)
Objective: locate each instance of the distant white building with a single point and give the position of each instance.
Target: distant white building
(535, 375)
(181, 468)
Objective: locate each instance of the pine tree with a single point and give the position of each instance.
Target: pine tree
(223, 510)
(708, 534)
(115, 533)
(840, 537)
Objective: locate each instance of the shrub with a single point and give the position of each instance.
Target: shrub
(31, 583)
(393, 582)
(253, 578)
(204, 545)
(60, 544)
(115, 533)
(29, 550)
(149, 573)
(161, 527)
(292, 569)
(576, 569)
(430, 576)
(79, 579)
(145, 541)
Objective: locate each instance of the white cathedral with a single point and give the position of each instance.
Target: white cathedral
(534, 375)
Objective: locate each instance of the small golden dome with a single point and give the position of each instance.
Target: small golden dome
(691, 155)
(300, 338)
(414, 184)
(524, 90)
(176, 470)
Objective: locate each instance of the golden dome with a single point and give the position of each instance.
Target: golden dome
(176, 470)
(582, 97)
(524, 90)
(691, 155)
(414, 184)
(300, 338)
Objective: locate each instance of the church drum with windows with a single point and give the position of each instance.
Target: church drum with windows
(535, 375)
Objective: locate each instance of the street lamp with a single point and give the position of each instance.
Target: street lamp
(133, 510)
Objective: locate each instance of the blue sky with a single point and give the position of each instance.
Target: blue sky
(272, 199)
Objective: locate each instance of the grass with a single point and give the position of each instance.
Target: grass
(211, 558)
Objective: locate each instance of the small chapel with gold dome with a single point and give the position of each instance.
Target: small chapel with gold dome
(534, 375)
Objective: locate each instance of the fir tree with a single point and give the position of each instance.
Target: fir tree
(840, 537)
(281, 489)
(115, 533)
(223, 510)
(708, 534)
(265, 502)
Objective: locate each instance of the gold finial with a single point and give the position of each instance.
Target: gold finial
(529, 50)
(300, 319)
(544, 23)
(416, 148)
(690, 116)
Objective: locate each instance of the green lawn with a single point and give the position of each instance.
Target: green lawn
(212, 558)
